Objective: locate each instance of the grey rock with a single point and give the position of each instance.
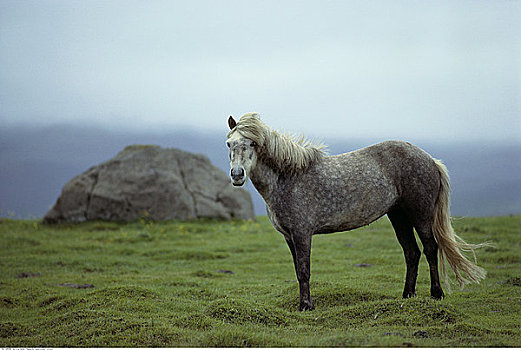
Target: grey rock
(150, 181)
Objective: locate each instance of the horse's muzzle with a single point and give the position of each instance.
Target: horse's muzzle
(238, 176)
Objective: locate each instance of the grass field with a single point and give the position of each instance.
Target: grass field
(213, 283)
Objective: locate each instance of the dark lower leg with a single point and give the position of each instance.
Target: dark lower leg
(430, 249)
(405, 234)
(302, 268)
(432, 259)
(305, 298)
(412, 261)
(291, 246)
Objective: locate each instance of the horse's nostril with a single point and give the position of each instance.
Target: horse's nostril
(237, 172)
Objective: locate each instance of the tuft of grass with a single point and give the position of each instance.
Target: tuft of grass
(211, 283)
(232, 311)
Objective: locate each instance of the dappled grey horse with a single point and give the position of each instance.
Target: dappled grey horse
(308, 192)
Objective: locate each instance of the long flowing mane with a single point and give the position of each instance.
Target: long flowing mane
(284, 152)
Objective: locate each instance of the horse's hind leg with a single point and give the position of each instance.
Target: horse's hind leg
(405, 234)
(430, 248)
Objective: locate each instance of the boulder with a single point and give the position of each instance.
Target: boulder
(150, 181)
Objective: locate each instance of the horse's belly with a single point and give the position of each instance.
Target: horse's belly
(357, 210)
(348, 223)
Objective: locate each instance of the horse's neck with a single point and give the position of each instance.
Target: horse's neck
(264, 179)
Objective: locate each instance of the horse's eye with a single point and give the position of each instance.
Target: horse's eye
(228, 144)
(253, 144)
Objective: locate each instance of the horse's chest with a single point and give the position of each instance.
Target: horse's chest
(291, 213)
(275, 221)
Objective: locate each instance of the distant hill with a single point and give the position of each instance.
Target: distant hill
(36, 162)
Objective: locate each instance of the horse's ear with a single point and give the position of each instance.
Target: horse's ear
(231, 122)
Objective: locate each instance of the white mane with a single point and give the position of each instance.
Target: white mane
(285, 152)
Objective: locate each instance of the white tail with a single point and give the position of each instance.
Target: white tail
(449, 244)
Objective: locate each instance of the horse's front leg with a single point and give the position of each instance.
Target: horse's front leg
(302, 256)
(291, 246)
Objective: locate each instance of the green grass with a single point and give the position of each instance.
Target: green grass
(168, 284)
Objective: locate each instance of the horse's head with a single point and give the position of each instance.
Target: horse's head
(243, 154)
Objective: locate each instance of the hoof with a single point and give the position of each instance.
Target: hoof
(407, 295)
(437, 294)
(306, 306)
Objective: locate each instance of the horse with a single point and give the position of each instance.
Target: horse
(309, 192)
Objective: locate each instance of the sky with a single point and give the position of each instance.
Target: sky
(436, 70)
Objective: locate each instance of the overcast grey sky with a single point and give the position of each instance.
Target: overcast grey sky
(443, 70)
